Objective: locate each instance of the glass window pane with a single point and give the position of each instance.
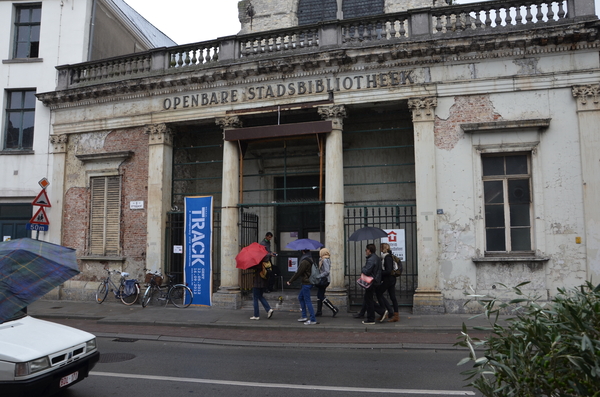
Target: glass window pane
(30, 100)
(23, 33)
(36, 14)
(516, 165)
(493, 165)
(27, 142)
(15, 100)
(494, 216)
(495, 240)
(23, 15)
(519, 215)
(492, 191)
(12, 131)
(35, 33)
(518, 191)
(520, 239)
(22, 50)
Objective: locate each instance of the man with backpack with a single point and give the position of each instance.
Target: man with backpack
(304, 271)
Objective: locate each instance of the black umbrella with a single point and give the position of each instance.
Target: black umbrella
(367, 233)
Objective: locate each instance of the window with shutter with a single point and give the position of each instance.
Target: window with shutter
(105, 216)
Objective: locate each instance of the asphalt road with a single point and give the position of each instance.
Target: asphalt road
(153, 368)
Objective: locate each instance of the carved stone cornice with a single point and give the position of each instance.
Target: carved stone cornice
(336, 114)
(585, 93)
(229, 122)
(59, 143)
(159, 134)
(423, 109)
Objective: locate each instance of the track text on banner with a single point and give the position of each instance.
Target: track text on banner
(198, 248)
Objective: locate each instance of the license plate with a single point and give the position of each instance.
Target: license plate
(66, 380)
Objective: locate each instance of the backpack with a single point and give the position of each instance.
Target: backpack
(266, 270)
(315, 274)
(397, 270)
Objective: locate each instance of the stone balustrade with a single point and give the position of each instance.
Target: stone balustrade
(491, 17)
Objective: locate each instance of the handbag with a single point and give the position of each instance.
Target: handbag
(364, 281)
(323, 282)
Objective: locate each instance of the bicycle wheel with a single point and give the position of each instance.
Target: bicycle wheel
(180, 295)
(101, 292)
(131, 298)
(148, 295)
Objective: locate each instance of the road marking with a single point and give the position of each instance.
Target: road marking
(286, 386)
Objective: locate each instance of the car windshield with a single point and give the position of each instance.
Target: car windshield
(20, 314)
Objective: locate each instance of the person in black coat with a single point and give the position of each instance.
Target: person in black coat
(373, 268)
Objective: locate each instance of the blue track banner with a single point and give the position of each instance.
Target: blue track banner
(198, 248)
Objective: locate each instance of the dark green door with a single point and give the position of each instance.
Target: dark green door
(13, 221)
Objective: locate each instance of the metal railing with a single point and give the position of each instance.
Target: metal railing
(436, 23)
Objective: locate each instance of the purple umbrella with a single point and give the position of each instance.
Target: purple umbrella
(304, 244)
(29, 269)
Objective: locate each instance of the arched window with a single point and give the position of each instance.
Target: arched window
(362, 8)
(313, 11)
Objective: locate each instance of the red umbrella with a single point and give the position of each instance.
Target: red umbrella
(250, 256)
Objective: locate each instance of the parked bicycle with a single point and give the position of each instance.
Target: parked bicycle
(180, 295)
(127, 290)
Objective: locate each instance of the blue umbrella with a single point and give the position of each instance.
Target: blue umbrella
(29, 269)
(304, 244)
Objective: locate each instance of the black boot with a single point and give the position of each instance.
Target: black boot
(334, 309)
(319, 308)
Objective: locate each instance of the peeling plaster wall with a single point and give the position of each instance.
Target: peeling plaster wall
(556, 184)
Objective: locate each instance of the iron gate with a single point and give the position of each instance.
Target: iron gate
(384, 217)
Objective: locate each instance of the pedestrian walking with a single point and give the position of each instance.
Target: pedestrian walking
(258, 288)
(372, 268)
(324, 281)
(303, 272)
(388, 280)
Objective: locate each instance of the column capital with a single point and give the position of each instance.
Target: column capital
(159, 134)
(59, 143)
(584, 93)
(423, 108)
(229, 122)
(335, 113)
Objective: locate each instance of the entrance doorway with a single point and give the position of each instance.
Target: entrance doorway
(13, 221)
(299, 217)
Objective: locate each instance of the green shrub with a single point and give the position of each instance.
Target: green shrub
(542, 350)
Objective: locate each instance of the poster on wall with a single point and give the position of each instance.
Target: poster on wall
(397, 241)
(198, 248)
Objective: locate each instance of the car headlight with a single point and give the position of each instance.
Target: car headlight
(90, 345)
(33, 366)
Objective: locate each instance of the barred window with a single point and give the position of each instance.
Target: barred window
(27, 31)
(105, 216)
(508, 203)
(20, 118)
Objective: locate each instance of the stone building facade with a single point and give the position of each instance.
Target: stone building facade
(472, 128)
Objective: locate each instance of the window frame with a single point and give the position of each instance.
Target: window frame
(17, 25)
(506, 204)
(105, 216)
(22, 110)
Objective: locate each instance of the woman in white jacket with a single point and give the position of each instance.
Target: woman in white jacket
(325, 280)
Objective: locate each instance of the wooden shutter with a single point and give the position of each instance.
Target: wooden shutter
(105, 216)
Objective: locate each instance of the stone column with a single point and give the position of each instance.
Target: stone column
(229, 294)
(428, 297)
(334, 203)
(160, 171)
(58, 143)
(588, 114)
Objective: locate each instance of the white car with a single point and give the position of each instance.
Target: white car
(39, 358)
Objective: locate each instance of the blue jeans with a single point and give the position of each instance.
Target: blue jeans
(304, 298)
(257, 295)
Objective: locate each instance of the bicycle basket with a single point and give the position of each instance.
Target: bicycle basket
(157, 279)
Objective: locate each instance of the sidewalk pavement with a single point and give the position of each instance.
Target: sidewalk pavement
(233, 327)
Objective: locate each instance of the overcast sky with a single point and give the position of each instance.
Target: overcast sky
(190, 21)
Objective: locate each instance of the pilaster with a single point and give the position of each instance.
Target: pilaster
(334, 201)
(58, 144)
(428, 297)
(160, 163)
(229, 294)
(588, 114)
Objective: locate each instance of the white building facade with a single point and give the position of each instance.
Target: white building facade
(35, 38)
(472, 128)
